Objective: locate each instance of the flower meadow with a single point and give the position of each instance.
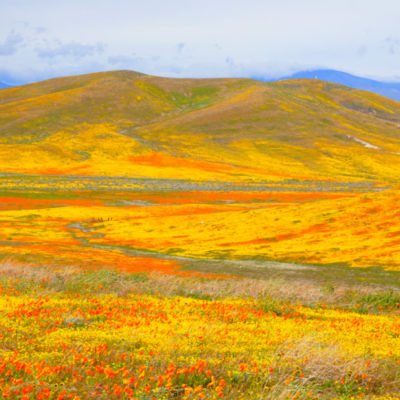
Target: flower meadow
(181, 239)
(115, 230)
(199, 295)
(110, 335)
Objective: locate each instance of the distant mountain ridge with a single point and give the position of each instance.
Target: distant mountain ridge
(388, 89)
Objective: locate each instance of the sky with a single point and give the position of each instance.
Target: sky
(40, 39)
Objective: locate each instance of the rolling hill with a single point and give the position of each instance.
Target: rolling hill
(129, 124)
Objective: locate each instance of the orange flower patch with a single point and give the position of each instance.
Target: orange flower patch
(164, 160)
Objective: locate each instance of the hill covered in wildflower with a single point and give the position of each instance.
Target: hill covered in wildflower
(128, 124)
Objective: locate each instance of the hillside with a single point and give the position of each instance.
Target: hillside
(128, 124)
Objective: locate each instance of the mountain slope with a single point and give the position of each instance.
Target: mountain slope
(388, 89)
(128, 124)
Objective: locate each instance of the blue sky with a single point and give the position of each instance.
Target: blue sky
(204, 38)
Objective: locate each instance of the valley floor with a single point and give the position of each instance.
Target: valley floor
(172, 226)
(199, 291)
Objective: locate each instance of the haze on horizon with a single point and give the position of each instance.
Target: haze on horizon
(211, 38)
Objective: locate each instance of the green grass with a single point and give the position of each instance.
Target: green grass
(272, 293)
(378, 302)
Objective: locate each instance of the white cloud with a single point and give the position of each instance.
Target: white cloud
(200, 38)
(71, 49)
(11, 44)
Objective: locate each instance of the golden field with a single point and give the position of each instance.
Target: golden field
(198, 239)
(355, 229)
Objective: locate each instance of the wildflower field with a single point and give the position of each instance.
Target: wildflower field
(68, 334)
(143, 295)
(198, 239)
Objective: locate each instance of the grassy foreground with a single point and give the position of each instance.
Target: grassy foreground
(73, 334)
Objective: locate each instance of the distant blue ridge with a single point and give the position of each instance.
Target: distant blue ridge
(388, 89)
(4, 85)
